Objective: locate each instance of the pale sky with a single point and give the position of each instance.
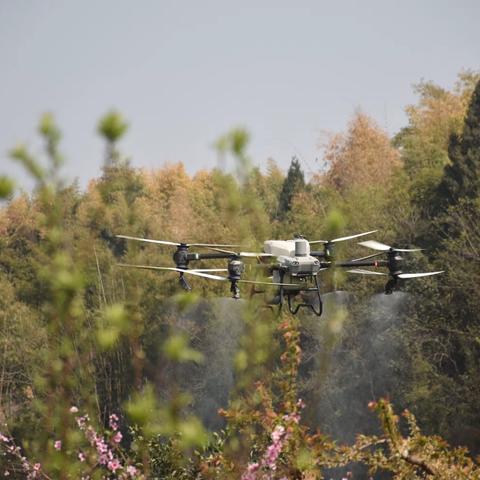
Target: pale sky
(185, 72)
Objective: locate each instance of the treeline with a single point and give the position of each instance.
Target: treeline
(76, 329)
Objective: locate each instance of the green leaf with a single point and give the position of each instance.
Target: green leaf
(176, 348)
(6, 187)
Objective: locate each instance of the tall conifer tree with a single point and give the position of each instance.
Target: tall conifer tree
(294, 182)
(461, 179)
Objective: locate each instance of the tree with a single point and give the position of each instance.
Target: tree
(293, 183)
(361, 157)
(424, 142)
(112, 127)
(461, 177)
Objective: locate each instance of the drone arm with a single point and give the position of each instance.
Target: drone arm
(365, 263)
(208, 256)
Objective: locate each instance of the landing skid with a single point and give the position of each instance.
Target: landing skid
(294, 308)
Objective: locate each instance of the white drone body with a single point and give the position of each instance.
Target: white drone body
(294, 260)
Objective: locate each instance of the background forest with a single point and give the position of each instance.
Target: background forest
(153, 367)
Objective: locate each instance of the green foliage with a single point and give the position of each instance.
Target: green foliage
(293, 183)
(6, 187)
(76, 329)
(176, 349)
(112, 127)
(461, 177)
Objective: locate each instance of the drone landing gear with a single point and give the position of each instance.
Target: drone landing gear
(293, 309)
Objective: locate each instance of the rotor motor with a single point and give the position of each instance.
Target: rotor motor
(395, 268)
(180, 257)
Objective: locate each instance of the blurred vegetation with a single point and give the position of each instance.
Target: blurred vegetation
(109, 372)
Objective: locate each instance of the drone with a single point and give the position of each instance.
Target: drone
(293, 267)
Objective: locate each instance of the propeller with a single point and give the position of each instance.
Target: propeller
(418, 275)
(209, 269)
(175, 244)
(374, 245)
(399, 275)
(341, 239)
(366, 272)
(243, 254)
(205, 275)
(367, 257)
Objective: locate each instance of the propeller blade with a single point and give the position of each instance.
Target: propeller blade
(366, 272)
(221, 250)
(176, 244)
(374, 245)
(173, 269)
(204, 275)
(139, 239)
(341, 239)
(209, 269)
(408, 249)
(211, 245)
(367, 257)
(255, 254)
(418, 275)
(243, 254)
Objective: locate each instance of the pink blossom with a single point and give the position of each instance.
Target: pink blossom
(279, 436)
(73, 409)
(113, 422)
(82, 422)
(132, 471)
(117, 438)
(113, 465)
(251, 472)
(300, 403)
(58, 445)
(81, 456)
(278, 432)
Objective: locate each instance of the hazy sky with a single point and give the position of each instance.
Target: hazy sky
(184, 72)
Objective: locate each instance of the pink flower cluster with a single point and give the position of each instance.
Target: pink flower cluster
(104, 450)
(267, 466)
(32, 471)
(105, 454)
